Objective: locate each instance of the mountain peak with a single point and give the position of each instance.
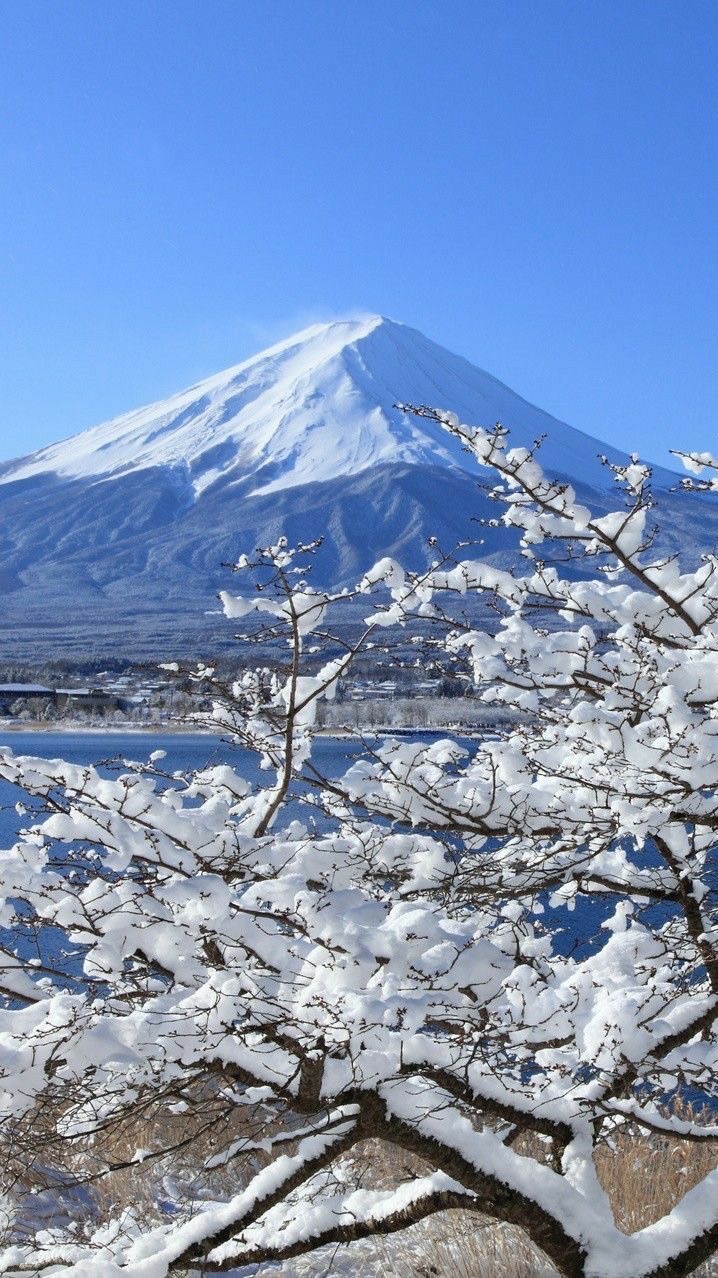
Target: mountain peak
(312, 408)
(336, 333)
(116, 537)
(320, 341)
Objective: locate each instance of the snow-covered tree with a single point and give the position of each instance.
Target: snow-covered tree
(281, 973)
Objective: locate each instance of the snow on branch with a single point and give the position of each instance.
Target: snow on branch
(493, 954)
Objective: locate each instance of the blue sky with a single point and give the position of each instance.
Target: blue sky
(534, 185)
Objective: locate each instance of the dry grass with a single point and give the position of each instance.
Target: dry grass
(645, 1176)
(459, 1244)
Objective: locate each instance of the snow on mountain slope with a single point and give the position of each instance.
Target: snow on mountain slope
(308, 410)
(115, 539)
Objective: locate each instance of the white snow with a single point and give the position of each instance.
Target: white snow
(320, 405)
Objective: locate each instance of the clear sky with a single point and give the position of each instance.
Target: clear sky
(533, 185)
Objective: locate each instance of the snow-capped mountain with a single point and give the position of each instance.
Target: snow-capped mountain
(127, 524)
(314, 408)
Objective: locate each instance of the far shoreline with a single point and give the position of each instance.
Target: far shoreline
(83, 729)
(37, 727)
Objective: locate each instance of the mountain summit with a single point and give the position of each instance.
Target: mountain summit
(123, 528)
(315, 407)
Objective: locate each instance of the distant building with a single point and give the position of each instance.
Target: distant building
(89, 699)
(12, 692)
